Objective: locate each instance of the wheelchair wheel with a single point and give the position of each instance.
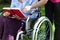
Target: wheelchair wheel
(19, 35)
(22, 36)
(42, 29)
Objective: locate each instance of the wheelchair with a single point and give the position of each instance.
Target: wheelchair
(36, 29)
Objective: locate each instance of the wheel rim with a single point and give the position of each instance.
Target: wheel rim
(45, 35)
(43, 32)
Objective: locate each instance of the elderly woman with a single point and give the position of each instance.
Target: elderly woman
(10, 26)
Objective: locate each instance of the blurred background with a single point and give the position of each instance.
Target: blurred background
(4, 3)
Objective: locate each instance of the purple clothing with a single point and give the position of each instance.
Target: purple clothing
(8, 26)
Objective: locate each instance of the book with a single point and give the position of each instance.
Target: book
(14, 11)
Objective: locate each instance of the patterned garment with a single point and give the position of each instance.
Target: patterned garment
(18, 4)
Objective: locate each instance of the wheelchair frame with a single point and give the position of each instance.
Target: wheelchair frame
(36, 29)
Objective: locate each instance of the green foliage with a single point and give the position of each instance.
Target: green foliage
(42, 10)
(5, 1)
(1, 5)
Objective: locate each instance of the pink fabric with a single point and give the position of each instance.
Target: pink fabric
(55, 1)
(11, 37)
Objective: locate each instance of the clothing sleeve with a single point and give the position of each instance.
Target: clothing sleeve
(34, 15)
(13, 2)
(34, 2)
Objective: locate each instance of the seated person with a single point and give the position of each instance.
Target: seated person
(9, 26)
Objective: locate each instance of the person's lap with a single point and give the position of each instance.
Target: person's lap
(10, 27)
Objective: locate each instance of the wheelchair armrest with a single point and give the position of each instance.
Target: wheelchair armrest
(35, 11)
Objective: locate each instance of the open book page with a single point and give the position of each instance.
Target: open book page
(14, 11)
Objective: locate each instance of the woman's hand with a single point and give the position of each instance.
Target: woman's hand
(6, 14)
(17, 17)
(26, 9)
